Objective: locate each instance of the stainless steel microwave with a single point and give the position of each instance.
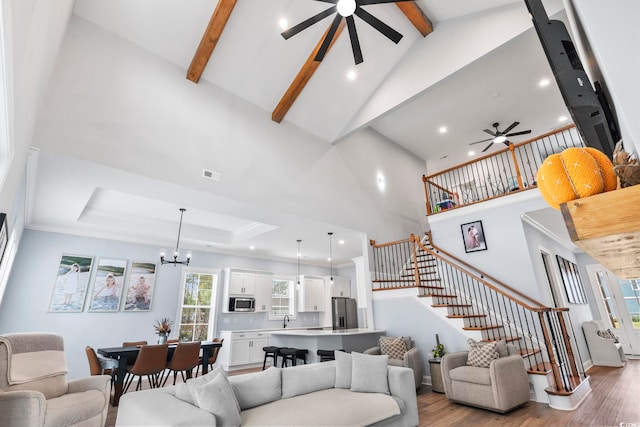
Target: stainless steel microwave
(242, 304)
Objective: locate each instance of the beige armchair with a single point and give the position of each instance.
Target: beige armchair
(501, 387)
(604, 349)
(34, 390)
(410, 359)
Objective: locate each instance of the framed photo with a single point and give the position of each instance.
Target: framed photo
(4, 235)
(70, 287)
(142, 278)
(107, 285)
(572, 283)
(473, 237)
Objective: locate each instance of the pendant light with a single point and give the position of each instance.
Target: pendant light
(330, 257)
(299, 256)
(175, 261)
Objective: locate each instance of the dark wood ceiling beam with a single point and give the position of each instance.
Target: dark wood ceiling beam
(417, 17)
(301, 80)
(210, 38)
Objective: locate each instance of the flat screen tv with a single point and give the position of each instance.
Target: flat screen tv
(579, 96)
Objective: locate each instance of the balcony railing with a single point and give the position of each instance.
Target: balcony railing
(512, 169)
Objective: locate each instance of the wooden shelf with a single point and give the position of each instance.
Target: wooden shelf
(607, 227)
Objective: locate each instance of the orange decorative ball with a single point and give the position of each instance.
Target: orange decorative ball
(575, 173)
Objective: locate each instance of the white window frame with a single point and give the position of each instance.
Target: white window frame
(292, 297)
(213, 313)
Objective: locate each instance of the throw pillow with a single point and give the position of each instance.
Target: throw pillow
(307, 379)
(183, 390)
(501, 348)
(217, 397)
(369, 373)
(395, 348)
(481, 354)
(343, 369)
(256, 389)
(607, 334)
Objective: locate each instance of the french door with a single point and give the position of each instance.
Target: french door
(619, 305)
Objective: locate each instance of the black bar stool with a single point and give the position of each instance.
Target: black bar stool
(292, 354)
(272, 352)
(327, 355)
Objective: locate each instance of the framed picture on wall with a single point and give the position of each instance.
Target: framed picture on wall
(140, 286)
(107, 285)
(473, 237)
(4, 235)
(70, 287)
(572, 282)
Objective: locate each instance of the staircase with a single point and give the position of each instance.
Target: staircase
(487, 310)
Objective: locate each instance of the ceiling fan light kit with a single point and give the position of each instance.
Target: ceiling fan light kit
(346, 9)
(501, 137)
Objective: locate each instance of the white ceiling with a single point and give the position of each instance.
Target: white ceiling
(481, 65)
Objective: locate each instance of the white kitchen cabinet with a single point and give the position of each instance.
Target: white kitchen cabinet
(264, 290)
(311, 295)
(241, 283)
(341, 286)
(244, 349)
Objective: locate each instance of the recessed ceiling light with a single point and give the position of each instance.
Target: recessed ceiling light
(563, 119)
(341, 242)
(351, 74)
(471, 152)
(252, 247)
(328, 259)
(442, 129)
(544, 83)
(380, 180)
(283, 24)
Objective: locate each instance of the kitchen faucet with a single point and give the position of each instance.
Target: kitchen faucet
(285, 320)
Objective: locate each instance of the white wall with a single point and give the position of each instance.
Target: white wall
(24, 308)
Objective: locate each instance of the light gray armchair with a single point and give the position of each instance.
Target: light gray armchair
(501, 387)
(34, 390)
(410, 359)
(604, 349)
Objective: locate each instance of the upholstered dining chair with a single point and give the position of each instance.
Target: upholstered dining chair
(185, 357)
(132, 359)
(151, 362)
(101, 365)
(173, 341)
(34, 390)
(213, 357)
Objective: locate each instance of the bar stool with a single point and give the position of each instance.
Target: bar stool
(272, 352)
(327, 355)
(292, 354)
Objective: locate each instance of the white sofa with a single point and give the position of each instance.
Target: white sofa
(304, 395)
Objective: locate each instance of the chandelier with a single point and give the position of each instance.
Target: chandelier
(330, 257)
(175, 261)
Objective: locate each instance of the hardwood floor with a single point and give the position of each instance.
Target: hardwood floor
(614, 401)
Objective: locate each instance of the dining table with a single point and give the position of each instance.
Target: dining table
(122, 354)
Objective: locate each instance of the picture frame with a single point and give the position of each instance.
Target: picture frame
(70, 286)
(473, 237)
(573, 286)
(4, 236)
(108, 284)
(140, 286)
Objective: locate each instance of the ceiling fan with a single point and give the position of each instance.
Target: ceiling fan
(346, 9)
(501, 136)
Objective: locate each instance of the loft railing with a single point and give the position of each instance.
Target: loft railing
(512, 169)
(542, 335)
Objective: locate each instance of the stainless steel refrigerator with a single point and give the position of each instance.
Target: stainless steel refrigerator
(345, 313)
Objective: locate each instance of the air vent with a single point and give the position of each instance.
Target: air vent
(214, 176)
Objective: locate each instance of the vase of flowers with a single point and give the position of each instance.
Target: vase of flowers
(163, 329)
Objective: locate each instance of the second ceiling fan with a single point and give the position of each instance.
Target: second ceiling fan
(346, 9)
(501, 136)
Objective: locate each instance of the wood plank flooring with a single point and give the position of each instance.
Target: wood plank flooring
(614, 399)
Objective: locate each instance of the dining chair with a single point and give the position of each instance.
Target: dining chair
(213, 357)
(132, 359)
(100, 365)
(185, 357)
(173, 341)
(151, 362)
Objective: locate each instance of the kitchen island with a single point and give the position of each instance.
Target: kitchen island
(358, 339)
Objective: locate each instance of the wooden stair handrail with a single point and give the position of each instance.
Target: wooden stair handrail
(541, 307)
(384, 245)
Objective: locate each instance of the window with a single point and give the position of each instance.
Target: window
(196, 320)
(282, 298)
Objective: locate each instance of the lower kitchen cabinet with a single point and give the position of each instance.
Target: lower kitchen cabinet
(244, 349)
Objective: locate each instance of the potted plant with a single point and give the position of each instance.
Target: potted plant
(163, 329)
(438, 351)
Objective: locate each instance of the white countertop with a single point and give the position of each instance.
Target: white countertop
(326, 332)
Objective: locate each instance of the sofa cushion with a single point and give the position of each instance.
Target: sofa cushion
(184, 391)
(257, 388)
(369, 373)
(395, 348)
(471, 374)
(73, 408)
(307, 378)
(481, 354)
(217, 397)
(331, 407)
(343, 369)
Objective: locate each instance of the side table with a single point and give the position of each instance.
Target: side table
(436, 376)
